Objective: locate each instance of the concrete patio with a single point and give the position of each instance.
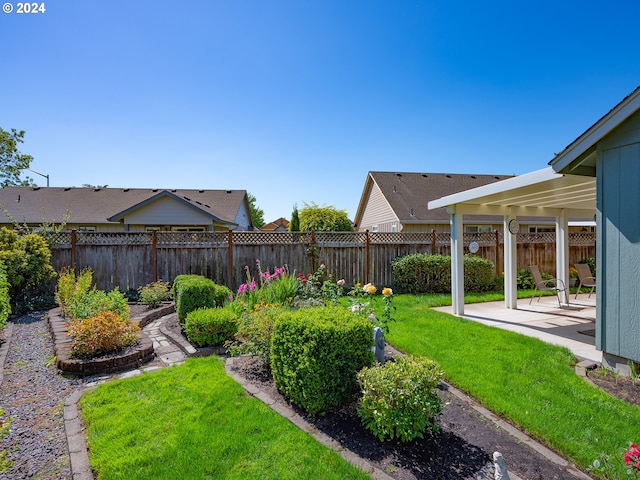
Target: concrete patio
(571, 326)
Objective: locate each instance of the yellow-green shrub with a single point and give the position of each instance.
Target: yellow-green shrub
(207, 327)
(105, 332)
(399, 400)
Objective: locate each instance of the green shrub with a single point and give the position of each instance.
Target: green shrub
(399, 400)
(70, 287)
(316, 354)
(192, 292)
(255, 332)
(592, 264)
(5, 306)
(27, 260)
(479, 274)
(153, 294)
(207, 327)
(93, 302)
(102, 333)
(524, 279)
(426, 273)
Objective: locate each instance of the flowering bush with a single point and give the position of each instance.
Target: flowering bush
(632, 460)
(361, 302)
(610, 470)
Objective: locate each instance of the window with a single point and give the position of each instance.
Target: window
(478, 228)
(187, 229)
(374, 228)
(541, 229)
(394, 228)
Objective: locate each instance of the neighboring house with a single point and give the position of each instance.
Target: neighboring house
(397, 202)
(126, 209)
(279, 225)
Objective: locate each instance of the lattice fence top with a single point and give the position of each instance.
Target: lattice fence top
(218, 239)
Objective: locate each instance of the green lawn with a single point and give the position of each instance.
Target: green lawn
(194, 421)
(523, 379)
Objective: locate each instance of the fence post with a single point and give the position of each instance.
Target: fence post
(367, 257)
(73, 249)
(433, 241)
(230, 259)
(154, 254)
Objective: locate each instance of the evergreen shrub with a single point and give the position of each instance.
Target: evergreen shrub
(426, 273)
(207, 327)
(316, 353)
(192, 292)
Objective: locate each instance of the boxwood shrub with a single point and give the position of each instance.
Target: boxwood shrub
(426, 273)
(192, 292)
(316, 354)
(207, 327)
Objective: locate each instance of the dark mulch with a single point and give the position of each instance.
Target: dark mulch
(462, 450)
(622, 387)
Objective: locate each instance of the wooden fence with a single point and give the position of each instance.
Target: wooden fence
(132, 259)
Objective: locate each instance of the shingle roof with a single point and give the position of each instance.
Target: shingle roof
(408, 193)
(96, 205)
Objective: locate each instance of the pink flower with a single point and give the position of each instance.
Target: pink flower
(340, 282)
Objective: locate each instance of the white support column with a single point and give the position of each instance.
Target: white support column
(457, 260)
(562, 251)
(510, 265)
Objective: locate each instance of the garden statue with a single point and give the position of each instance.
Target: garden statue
(501, 467)
(378, 345)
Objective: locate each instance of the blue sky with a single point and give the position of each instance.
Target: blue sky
(295, 101)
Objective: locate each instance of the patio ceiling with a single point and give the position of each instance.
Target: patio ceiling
(540, 193)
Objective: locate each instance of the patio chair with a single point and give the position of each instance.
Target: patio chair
(551, 285)
(585, 278)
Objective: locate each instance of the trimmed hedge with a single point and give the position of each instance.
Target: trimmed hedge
(316, 354)
(207, 327)
(426, 273)
(192, 292)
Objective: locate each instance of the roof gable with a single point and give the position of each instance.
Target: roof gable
(200, 208)
(579, 157)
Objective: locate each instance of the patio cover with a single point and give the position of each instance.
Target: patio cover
(543, 193)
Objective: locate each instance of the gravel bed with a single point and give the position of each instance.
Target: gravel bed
(32, 395)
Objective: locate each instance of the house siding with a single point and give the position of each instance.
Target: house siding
(378, 213)
(166, 211)
(618, 241)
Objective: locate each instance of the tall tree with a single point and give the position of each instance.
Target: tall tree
(294, 224)
(257, 214)
(327, 219)
(12, 162)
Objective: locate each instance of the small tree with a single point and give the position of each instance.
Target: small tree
(257, 214)
(327, 219)
(294, 224)
(12, 162)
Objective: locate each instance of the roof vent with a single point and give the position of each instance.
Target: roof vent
(448, 176)
(187, 199)
(412, 214)
(125, 190)
(198, 202)
(154, 190)
(425, 175)
(200, 191)
(66, 189)
(395, 189)
(207, 205)
(398, 174)
(473, 176)
(229, 191)
(35, 188)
